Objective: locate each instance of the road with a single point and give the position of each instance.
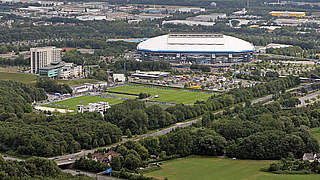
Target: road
(71, 158)
(309, 96)
(11, 158)
(98, 177)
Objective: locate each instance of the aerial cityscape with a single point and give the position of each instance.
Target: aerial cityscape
(160, 90)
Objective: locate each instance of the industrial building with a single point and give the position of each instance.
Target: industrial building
(196, 48)
(44, 56)
(287, 14)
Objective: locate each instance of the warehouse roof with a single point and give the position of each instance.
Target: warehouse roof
(195, 43)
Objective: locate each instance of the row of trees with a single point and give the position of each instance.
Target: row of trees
(292, 166)
(52, 86)
(41, 135)
(16, 97)
(33, 168)
(135, 116)
(144, 66)
(19, 61)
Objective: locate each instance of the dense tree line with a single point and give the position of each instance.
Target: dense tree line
(266, 131)
(90, 165)
(144, 66)
(52, 86)
(135, 116)
(19, 61)
(33, 168)
(292, 166)
(16, 97)
(234, 96)
(41, 135)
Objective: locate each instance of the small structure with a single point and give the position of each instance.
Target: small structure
(119, 78)
(287, 14)
(107, 157)
(150, 74)
(308, 157)
(94, 107)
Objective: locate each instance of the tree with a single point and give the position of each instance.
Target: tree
(132, 162)
(128, 133)
(116, 163)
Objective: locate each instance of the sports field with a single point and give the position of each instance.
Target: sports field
(168, 95)
(86, 99)
(210, 168)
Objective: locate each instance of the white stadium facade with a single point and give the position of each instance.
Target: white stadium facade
(196, 48)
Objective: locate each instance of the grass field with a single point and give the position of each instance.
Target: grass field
(31, 78)
(21, 77)
(171, 95)
(210, 168)
(316, 133)
(84, 100)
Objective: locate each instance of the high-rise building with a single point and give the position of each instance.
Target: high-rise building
(44, 56)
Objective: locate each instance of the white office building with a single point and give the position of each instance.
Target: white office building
(70, 70)
(94, 107)
(43, 56)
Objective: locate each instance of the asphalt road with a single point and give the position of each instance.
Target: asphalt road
(70, 158)
(308, 96)
(98, 177)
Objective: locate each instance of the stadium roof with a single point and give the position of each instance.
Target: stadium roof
(195, 43)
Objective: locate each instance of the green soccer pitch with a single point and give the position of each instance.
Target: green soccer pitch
(167, 95)
(86, 99)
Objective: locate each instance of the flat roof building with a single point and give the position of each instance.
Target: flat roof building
(44, 56)
(51, 70)
(150, 74)
(100, 107)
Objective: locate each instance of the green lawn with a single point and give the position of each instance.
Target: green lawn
(169, 95)
(210, 168)
(21, 77)
(73, 102)
(316, 133)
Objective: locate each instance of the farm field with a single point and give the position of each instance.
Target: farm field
(20, 77)
(208, 168)
(169, 95)
(86, 99)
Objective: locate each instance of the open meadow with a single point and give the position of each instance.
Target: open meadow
(316, 133)
(86, 99)
(210, 168)
(167, 95)
(20, 77)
